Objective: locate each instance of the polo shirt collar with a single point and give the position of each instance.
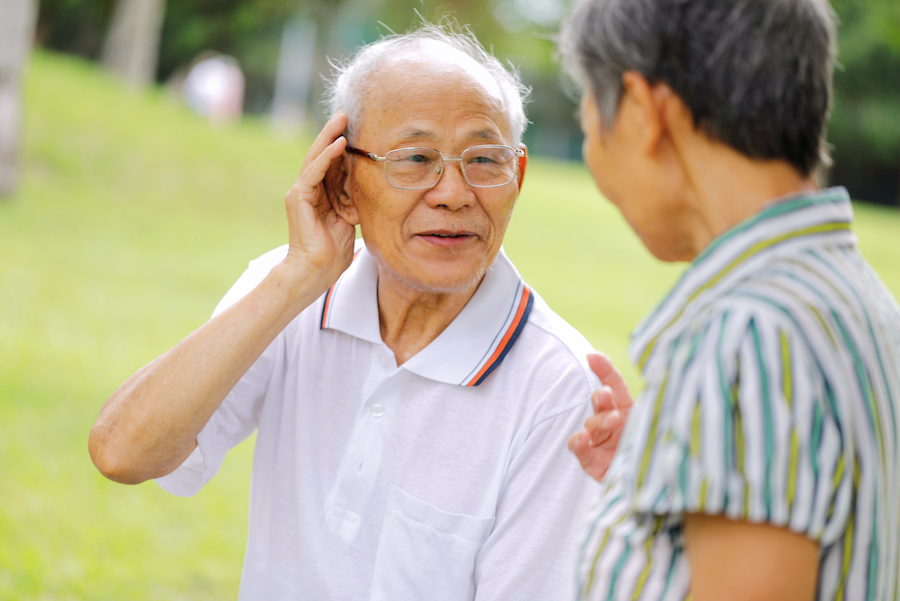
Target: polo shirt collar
(819, 218)
(468, 350)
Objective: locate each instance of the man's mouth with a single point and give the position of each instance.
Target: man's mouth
(450, 239)
(448, 233)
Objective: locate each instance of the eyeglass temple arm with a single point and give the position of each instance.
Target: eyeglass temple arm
(363, 153)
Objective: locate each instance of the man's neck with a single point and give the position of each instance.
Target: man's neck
(410, 319)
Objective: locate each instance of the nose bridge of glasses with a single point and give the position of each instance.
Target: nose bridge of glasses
(440, 168)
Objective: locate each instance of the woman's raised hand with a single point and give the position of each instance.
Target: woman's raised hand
(596, 444)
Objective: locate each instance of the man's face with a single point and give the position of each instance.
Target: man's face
(442, 239)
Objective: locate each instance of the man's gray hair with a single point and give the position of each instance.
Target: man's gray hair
(347, 86)
(755, 74)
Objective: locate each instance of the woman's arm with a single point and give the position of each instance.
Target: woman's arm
(740, 561)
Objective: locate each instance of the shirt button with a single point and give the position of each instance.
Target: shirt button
(377, 410)
(385, 361)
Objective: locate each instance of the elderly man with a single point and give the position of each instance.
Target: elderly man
(412, 395)
(763, 460)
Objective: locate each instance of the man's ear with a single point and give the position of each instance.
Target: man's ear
(337, 186)
(523, 163)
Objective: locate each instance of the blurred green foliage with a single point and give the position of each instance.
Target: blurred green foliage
(249, 31)
(865, 128)
(865, 124)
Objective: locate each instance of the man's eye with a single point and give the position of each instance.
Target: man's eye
(481, 160)
(417, 158)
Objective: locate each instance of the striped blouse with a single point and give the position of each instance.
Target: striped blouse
(772, 395)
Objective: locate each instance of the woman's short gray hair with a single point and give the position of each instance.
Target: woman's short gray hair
(755, 74)
(346, 88)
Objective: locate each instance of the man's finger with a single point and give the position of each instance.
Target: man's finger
(602, 366)
(314, 173)
(330, 131)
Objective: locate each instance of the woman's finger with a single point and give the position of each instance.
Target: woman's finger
(603, 367)
(603, 399)
(602, 426)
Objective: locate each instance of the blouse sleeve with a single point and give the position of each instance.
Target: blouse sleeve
(746, 425)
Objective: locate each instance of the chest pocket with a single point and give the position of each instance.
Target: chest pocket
(425, 552)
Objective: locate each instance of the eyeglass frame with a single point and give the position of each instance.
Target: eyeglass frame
(374, 157)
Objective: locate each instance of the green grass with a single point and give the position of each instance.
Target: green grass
(133, 219)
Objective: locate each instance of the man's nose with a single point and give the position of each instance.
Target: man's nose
(452, 190)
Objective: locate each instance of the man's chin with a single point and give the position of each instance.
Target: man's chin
(445, 281)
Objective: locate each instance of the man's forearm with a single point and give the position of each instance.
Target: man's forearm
(150, 424)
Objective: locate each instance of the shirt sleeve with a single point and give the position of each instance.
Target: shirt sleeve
(531, 549)
(746, 424)
(238, 415)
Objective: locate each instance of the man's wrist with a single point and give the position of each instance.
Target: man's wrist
(298, 284)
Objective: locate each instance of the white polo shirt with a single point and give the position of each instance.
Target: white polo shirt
(446, 478)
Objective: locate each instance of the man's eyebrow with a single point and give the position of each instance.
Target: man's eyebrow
(487, 134)
(414, 134)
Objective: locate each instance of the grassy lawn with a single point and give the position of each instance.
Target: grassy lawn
(134, 218)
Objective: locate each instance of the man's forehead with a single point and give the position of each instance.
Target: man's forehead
(417, 92)
(434, 58)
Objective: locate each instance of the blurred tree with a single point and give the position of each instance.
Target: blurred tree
(865, 125)
(865, 128)
(249, 30)
(73, 26)
(132, 42)
(17, 19)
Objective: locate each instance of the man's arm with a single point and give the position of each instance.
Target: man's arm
(149, 425)
(540, 513)
(741, 561)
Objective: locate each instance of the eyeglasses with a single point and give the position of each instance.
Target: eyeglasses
(489, 166)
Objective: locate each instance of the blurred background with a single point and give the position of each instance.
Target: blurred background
(282, 47)
(145, 149)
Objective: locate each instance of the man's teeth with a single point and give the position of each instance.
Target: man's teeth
(446, 235)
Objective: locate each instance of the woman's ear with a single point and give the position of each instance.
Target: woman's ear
(642, 103)
(337, 186)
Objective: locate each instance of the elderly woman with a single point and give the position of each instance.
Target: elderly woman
(762, 459)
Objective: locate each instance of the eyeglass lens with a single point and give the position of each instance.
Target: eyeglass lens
(483, 166)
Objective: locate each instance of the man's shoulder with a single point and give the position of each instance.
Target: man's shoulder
(256, 272)
(558, 334)
(551, 349)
